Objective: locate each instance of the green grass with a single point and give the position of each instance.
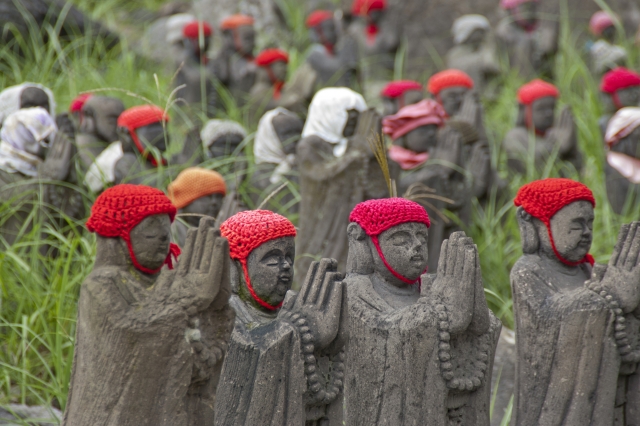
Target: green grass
(38, 294)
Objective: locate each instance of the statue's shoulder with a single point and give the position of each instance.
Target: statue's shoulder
(528, 265)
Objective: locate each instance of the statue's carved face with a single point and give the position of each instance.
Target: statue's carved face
(225, 145)
(609, 33)
(326, 33)
(422, 139)
(246, 37)
(194, 45)
(476, 37)
(629, 96)
(527, 13)
(150, 240)
(392, 105)
(572, 230)
(288, 129)
(100, 117)
(352, 123)
(405, 249)
(153, 135)
(452, 98)
(34, 97)
(629, 145)
(279, 70)
(270, 269)
(207, 205)
(543, 111)
(375, 16)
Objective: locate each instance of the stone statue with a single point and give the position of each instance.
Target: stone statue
(98, 125)
(475, 50)
(620, 88)
(75, 108)
(285, 360)
(150, 340)
(135, 157)
(30, 182)
(622, 169)
(26, 95)
(536, 124)
(234, 66)
(195, 72)
(576, 325)
(268, 92)
(274, 151)
(337, 170)
(379, 34)
(450, 89)
(421, 346)
(398, 94)
(332, 60)
(604, 54)
(196, 193)
(222, 140)
(531, 42)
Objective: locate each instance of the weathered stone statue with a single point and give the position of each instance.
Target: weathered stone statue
(285, 361)
(98, 125)
(150, 341)
(32, 188)
(604, 54)
(195, 72)
(267, 93)
(475, 50)
(538, 137)
(576, 327)
(620, 88)
(196, 193)
(398, 94)
(421, 346)
(75, 108)
(223, 140)
(450, 88)
(332, 60)
(337, 170)
(234, 66)
(135, 157)
(274, 151)
(622, 170)
(530, 42)
(379, 33)
(26, 95)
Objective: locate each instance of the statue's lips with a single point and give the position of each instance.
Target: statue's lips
(417, 258)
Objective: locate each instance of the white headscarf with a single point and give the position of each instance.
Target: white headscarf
(175, 24)
(20, 137)
(103, 170)
(213, 129)
(467, 24)
(267, 147)
(10, 99)
(328, 115)
(625, 121)
(605, 55)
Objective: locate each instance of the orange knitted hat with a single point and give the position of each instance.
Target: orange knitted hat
(544, 198)
(448, 78)
(140, 116)
(246, 231)
(235, 21)
(120, 208)
(193, 183)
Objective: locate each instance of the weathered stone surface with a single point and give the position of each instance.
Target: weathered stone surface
(504, 369)
(16, 414)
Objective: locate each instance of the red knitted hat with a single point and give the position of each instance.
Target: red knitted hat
(246, 231)
(140, 116)
(542, 199)
(317, 17)
(600, 21)
(78, 102)
(536, 89)
(235, 21)
(376, 216)
(120, 208)
(618, 79)
(363, 7)
(192, 29)
(269, 56)
(395, 89)
(448, 78)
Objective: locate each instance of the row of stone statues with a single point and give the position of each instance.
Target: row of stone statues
(214, 335)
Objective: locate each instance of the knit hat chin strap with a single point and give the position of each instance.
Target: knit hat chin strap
(148, 156)
(174, 252)
(253, 293)
(587, 258)
(376, 243)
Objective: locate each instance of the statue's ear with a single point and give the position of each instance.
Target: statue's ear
(87, 122)
(359, 259)
(528, 232)
(235, 275)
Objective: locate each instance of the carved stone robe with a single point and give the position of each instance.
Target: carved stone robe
(393, 372)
